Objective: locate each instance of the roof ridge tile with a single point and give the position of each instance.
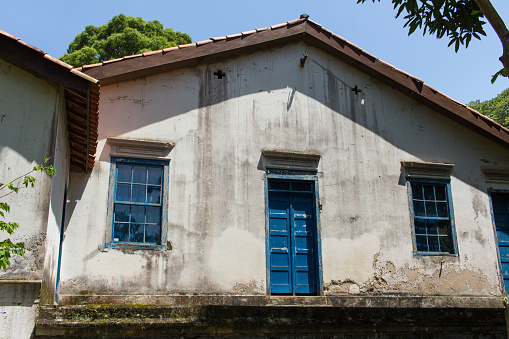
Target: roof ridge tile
(203, 42)
(278, 26)
(295, 21)
(169, 49)
(249, 32)
(132, 56)
(40, 51)
(57, 61)
(233, 36)
(159, 51)
(9, 35)
(111, 61)
(193, 44)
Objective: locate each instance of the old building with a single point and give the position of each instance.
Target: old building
(278, 167)
(47, 110)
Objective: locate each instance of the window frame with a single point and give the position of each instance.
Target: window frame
(452, 226)
(110, 243)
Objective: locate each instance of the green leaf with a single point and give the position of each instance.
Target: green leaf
(28, 180)
(12, 187)
(50, 170)
(5, 207)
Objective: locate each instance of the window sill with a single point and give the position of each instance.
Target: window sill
(434, 254)
(134, 246)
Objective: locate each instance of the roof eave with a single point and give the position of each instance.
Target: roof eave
(409, 85)
(132, 67)
(82, 111)
(41, 64)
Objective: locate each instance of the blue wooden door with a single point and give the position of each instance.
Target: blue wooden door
(292, 237)
(500, 203)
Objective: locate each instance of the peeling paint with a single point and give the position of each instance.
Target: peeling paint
(216, 212)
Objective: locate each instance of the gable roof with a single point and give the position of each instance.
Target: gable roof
(303, 29)
(81, 93)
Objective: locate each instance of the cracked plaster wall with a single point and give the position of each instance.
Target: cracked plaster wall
(216, 206)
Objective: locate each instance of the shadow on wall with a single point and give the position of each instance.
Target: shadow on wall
(372, 106)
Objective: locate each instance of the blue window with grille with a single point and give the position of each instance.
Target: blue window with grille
(138, 201)
(431, 208)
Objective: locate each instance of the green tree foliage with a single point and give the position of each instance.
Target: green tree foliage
(496, 108)
(121, 36)
(457, 20)
(7, 247)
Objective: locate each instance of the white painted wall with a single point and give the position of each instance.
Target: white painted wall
(18, 308)
(216, 206)
(32, 127)
(29, 108)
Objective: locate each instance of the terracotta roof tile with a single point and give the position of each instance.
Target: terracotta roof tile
(160, 51)
(9, 35)
(315, 23)
(432, 88)
(258, 30)
(219, 38)
(84, 76)
(111, 61)
(40, 51)
(55, 60)
(203, 42)
(233, 36)
(187, 45)
(335, 36)
(326, 30)
(294, 22)
(169, 49)
(278, 26)
(249, 32)
(132, 56)
(91, 65)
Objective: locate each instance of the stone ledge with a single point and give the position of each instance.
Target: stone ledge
(308, 321)
(19, 292)
(390, 301)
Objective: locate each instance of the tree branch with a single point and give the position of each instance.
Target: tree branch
(499, 26)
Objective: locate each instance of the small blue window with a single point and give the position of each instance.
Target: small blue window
(138, 203)
(432, 217)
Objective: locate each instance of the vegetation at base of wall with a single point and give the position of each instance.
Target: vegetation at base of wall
(7, 247)
(496, 108)
(123, 312)
(458, 21)
(121, 36)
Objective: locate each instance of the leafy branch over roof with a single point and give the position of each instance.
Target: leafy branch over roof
(121, 36)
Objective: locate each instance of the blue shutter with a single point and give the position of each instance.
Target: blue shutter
(304, 243)
(292, 238)
(280, 243)
(500, 203)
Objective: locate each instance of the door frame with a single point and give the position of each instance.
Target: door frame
(501, 272)
(294, 175)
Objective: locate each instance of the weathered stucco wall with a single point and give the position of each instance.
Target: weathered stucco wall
(31, 115)
(18, 308)
(216, 193)
(29, 107)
